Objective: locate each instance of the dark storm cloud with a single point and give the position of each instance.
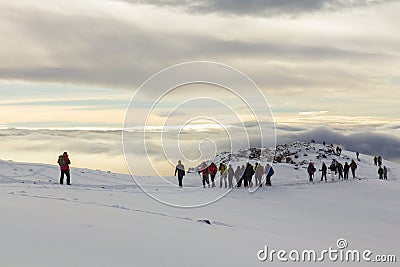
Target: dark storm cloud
(370, 143)
(259, 7)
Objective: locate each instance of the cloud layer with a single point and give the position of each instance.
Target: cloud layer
(370, 143)
(103, 149)
(260, 7)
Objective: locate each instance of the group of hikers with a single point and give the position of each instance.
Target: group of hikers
(242, 174)
(336, 168)
(382, 172)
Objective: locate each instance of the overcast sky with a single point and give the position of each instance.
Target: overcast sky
(332, 63)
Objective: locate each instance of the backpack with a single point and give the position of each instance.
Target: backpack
(61, 160)
(271, 171)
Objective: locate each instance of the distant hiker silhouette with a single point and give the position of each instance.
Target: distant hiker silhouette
(324, 170)
(353, 167)
(346, 170)
(180, 169)
(385, 172)
(380, 173)
(63, 162)
(311, 170)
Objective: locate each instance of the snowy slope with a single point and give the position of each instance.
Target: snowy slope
(104, 219)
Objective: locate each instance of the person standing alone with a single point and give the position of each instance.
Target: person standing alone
(64, 162)
(180, 169)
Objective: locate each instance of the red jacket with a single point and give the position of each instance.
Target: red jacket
(65, 165)
(212, 168)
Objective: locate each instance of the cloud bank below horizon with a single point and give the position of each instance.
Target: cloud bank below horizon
(103, 149)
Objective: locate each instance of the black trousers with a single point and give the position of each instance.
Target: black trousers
(180, 178)
(213, 179)
(323, 176)
(268, 180)
(66, 172)
(206, 180)
(244, 180)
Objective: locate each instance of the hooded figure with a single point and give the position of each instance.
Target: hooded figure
(63, 162)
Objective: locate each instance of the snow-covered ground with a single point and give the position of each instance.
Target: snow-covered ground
(105, 219)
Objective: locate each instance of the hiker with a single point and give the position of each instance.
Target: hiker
(212, 170)
(380, 173)
(237, 174)
(269, 171)
(353, 167)
(180, 169)
(380, 161)
(63, 162)
(376, 160)
(338, 151)
(231, 174)
(223, 171)
(324, 170)
(358, 155)
(340, 170)
(248, 172)
(311, 171)
(346, 170)
(242, 169)
(204, 173)
(385, 172)
(332, 168)
(258, 174)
